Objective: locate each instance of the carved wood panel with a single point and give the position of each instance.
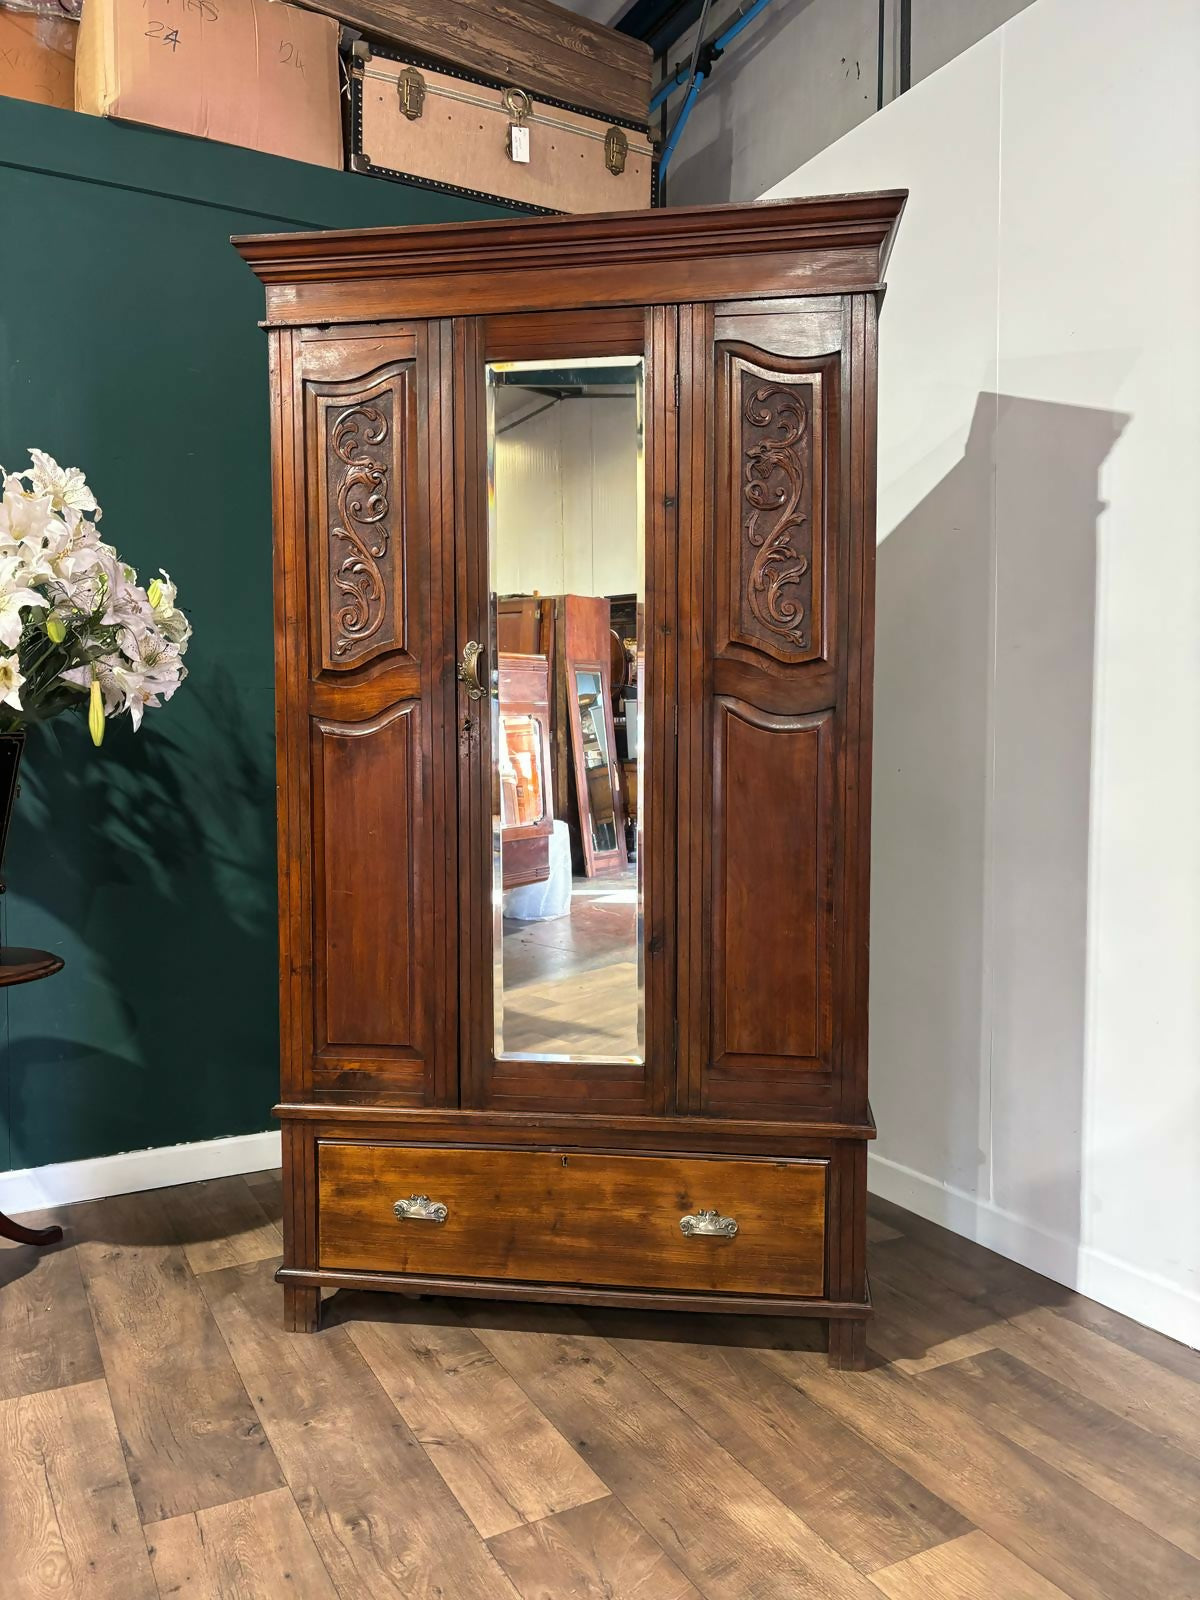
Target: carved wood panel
(771, 540)
(369, 886)
(773, 832)
(364, 442)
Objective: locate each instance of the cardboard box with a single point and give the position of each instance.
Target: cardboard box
(251, 72)
(37, 58)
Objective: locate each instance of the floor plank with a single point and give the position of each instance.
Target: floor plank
(267, 1189)
(190, 1434)
(860, 1503)
(68, 1524)
(256, 1549)
(383, 1521)
(47, 1340)
(975, 1281)
(501, 1458)
(595, 1551)
(970, 1568)
(880, 1232)
(1153, 1481)
(918, 1331)
(1041, 1515)
(731, 1536)
(1002, 1302)
(1142, 1391)
(221, 1224)
(1178, 1358)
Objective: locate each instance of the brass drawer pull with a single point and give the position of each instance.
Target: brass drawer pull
(420, 1208)
(710, 1222)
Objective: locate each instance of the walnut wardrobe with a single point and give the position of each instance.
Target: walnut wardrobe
(653, 1093)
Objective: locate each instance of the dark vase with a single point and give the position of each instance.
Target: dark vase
(12, 746)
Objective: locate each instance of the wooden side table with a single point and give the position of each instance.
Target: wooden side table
(19, 965)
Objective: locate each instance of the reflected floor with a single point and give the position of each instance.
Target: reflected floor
(570, 984)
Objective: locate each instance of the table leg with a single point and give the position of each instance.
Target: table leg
(23, 1235)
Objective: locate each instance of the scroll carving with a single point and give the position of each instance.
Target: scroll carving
(360, 533)
(777, 527)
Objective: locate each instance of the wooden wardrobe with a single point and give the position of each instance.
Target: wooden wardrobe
(717, 1163)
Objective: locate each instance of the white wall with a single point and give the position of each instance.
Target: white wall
(1036, 921)
(567, 497)
(800, 75)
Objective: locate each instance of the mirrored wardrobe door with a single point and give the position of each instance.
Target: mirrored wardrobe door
(567, 651)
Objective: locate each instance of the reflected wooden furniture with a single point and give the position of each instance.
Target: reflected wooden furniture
(584, 661)
(583, 646)
(524, 624)
(526, 801)
(18, 964)
(414, 1154)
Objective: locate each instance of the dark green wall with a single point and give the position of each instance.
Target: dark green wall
(129, 346)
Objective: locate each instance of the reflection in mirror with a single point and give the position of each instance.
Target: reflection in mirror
(567, 565)
(601, 809)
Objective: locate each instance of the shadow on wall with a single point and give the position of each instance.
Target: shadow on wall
(982, 785)
(160, 850)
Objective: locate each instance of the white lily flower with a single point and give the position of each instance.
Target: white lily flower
(66, 486)
(161, 593)
(14, 598)
(23, 516)
(11, 679)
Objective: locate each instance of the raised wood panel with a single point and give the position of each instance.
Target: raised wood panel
(538, 1215)
(772, 898)
(364, 435)
(771, 538)
(527, 336)
(367, 780)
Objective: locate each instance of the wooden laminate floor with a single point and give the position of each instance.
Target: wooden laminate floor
(571, 985)
(161, 1436)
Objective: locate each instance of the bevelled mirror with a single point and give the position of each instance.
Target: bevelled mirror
(567, 580)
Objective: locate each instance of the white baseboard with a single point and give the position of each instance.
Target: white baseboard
(36, 1188)
(1153, 1301)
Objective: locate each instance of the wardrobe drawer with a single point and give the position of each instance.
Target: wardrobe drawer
(545, 1216)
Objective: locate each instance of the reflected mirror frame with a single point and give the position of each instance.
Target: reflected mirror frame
(600, 737)
(493, 371)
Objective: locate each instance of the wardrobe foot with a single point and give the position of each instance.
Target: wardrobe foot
(847, 1344)
(301, 1309)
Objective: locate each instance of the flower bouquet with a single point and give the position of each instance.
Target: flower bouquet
(76, 627)
(77, 630)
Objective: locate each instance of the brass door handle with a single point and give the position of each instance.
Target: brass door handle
(420, 1208)
(468, 670)
(708, 1222)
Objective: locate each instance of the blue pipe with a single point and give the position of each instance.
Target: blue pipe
(667, 88)
(680, 123)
